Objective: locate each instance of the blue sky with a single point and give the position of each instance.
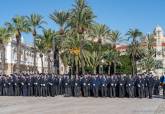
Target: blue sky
(117, 14)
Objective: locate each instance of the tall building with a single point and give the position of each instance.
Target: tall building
(160, 50)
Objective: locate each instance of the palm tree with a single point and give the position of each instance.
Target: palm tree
(5, 36)
(81, 18)
(18, 25)
(60, 18)
(134, 35)
(115, 37)
(94, 54)
(100, 33)
(148, 62)
(40, 48)
(47, 38)
(71, 48)
(112, 56)
(35, 21)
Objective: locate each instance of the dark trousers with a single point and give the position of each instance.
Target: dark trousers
(88, 90)
(85, 91)
(16, 91)
(4, 91)
(36, 93)
(146, 91)
(43, 91)
(51, 90)
(10, 91)
(68, 91)
(121, 91)
(129, 91)
(110, 92)
(95, 91)
(163, 91)
(150, 91)
(104, 91)
(140, 92)
(77, 92)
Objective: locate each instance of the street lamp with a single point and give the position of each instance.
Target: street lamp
(54, 61)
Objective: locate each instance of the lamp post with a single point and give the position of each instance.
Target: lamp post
(54, 61)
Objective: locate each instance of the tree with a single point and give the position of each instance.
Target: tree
(18, 25)
(100, 33)
(81, 18)
(148, 62)
(115, 37)
(35, 21)
(94, 54)
(5, 36)
(134, 36)
(60, 18)
(46, 39)
(71, 48)
(126, 65)
(112, 56)
(40, 48)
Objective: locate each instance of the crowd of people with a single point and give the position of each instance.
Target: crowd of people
(141, 85)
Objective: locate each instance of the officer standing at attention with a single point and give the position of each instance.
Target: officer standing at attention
(150, 85)
(95, 86)
(67, 82)
(139, 86)
(121, 87)
(146, 87)
(84, 86)
(77, 87)
(129, 87)
(156, 85)
(103, 86)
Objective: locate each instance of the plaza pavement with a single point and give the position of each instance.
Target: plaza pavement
(62, 105)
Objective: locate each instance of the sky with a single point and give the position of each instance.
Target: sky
(117, 14)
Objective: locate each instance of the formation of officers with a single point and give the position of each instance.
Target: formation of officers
(87, 85)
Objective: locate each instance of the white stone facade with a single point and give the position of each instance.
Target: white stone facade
(26, 59)
(160, 50)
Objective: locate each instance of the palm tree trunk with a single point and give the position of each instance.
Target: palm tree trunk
(81, 54)
(55, 55)
(42, 63)
(100, 67)
(114, 68)
(3, 59)
(94, 70)
(35, 54)
(133, 65)
(76, 64)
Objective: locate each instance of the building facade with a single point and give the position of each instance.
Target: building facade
(160, 50)
(159, 46)
(27, 59)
